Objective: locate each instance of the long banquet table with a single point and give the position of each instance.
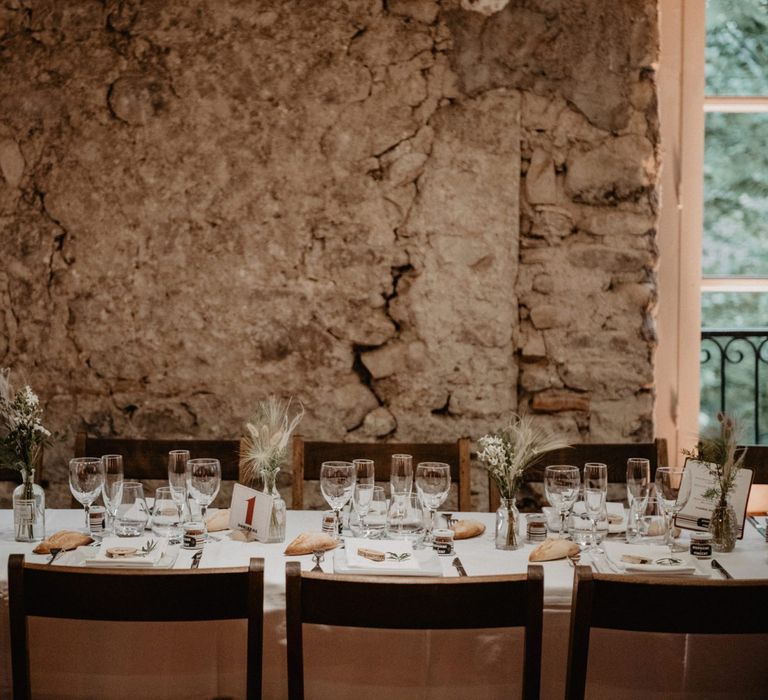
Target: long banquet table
(206, 660)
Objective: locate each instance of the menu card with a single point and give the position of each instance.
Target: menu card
(695, 515)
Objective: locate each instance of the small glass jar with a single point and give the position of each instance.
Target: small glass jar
(442, 541)
(97, 521)
(330, 523)
(536, 527)
(701, 545)
(195, 535)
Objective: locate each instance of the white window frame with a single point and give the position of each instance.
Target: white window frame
(683, 104)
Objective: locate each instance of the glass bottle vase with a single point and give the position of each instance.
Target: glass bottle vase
(507, 520)
(277, 519)
(724, 527)
(29, 509)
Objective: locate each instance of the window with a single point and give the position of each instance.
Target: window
(734, 284)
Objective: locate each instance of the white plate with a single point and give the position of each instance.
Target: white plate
(427, 559)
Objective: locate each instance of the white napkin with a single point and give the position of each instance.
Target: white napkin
(396, 547)
(150, 559)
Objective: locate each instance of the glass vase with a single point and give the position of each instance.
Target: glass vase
(29, 509)
(277, 519)
(507, 519)
(724, 527)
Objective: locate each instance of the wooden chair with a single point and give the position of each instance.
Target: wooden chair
(308, 457)
(660, 604)
(14, 475)
(614, 455)
(414, 603)
(756, 459)
(133, 596)
(148, 459)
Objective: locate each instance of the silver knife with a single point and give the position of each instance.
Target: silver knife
(717, 565)
(196, 559)
(756, 524)
(459, 566)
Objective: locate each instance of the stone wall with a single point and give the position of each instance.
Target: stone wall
(414, 216)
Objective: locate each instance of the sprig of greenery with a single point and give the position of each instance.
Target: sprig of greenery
(22, 434)
(148, 548)
(508, 453)
(265, 444)
(392, 556)
(718, 452)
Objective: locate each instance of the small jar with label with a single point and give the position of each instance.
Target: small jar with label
(536, 527)
(97, 521)
(195, 535)
(701, 545)
(331, 524)
(442, 541)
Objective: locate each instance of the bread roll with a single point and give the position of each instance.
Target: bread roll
(552, 549)
(218, 521)
(308, 542)
(63, 539)
(465, 529)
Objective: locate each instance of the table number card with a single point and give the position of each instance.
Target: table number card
(250, 512)
(695, 515)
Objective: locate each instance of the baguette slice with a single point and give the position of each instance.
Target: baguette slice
(552, 549)
(63, 539)
(308, 542)
(466, 529)
(218, 521)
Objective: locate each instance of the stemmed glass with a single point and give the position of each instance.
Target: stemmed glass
(86, 477)
(401, 483)
(177, 477)
(561, 486)
(595, 492)
(337, 480)
(203, 481)
(433, 481)
(638, 490)
(112, 492)
(363, 493)
(673, 489)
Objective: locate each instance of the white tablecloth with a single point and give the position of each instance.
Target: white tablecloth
(119, 660)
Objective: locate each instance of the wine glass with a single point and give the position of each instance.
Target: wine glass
(86, 477)
(203, 481)
(132, 513)
(377, 513)
(638, 489)
(177, 476)
(401, 475)
(433, 481)
(405, 519)
(561, 486)
(166, 513)
(595, 492)
(337, 481)
(673, 489)
(365, 476)
(112, 491)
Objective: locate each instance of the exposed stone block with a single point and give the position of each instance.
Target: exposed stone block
(618, 169)
(540, 182)
(555, 401)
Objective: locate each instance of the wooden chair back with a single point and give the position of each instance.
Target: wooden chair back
(661, 604)
(614, 455)
(756, 459)
(414, 603)
(15, 476)
(309, 456)
(148, 459)
(133, 596)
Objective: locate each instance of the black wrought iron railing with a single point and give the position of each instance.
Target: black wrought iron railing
(734, 378)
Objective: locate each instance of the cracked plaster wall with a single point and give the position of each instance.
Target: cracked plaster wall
(415, 216)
